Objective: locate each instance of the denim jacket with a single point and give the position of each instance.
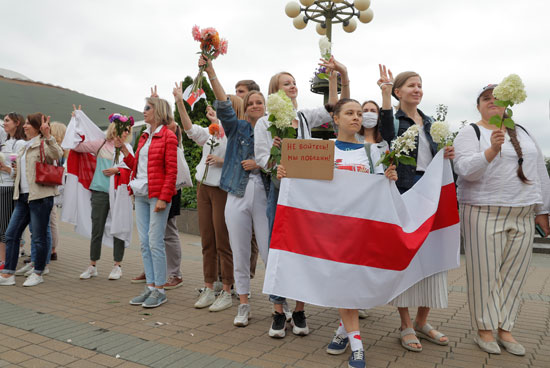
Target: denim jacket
(405, 173)
(240, 146)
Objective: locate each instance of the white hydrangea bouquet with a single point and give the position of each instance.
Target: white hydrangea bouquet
(441, 134)
(508, 93)
(401, 147)
(281, 114)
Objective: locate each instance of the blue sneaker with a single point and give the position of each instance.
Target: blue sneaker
(138, 300)
(155, 299)
(338, 345)
(357, 359)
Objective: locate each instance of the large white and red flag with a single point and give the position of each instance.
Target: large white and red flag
(355, 242)
(81, 166)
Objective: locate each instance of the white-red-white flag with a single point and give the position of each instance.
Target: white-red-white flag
(193, 97)
(355, 242)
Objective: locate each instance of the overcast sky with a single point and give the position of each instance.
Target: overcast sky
(115, 50)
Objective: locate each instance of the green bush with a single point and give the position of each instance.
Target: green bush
(193, 152)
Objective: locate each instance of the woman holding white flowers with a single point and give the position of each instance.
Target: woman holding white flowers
(306, 119)
(246, 199)
(430, 292)
(504, 190)
(349, 154)
(211, 201)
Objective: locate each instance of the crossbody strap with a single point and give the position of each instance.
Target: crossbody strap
(368, 149)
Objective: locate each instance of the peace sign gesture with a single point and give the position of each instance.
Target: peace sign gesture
(178, 91)
(45, 127)
(154, 92)
(386, 79)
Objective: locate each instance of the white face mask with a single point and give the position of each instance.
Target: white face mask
(370, 119)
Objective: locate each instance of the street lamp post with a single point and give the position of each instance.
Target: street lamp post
(326, 13)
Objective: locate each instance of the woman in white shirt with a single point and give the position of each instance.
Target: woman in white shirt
(349, 154)
(211, 205)
(504, 191)
(13, 126)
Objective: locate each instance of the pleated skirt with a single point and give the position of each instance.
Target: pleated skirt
(7, 204)
(430, 292)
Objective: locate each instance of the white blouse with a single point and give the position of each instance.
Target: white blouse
(202, 137)
(496, 183)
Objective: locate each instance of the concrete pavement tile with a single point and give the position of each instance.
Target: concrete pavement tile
(59, 358)
(37, 363)
(14, 356)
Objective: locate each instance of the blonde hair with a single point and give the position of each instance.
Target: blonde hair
(274, 82)
(237, 104)
(58, 130)
(247, 97)
(162, 110)
(111, 133)
(400, 81)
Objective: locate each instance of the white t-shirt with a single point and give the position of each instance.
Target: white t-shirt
(23, 182)
(496, 183)
(139, 184)
(10, 150)
(424, 156)
(351, 156)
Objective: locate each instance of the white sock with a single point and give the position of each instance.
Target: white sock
(355, 340)
(341, 329)
(162, 291)
(151, 288)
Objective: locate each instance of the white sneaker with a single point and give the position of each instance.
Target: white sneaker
(115, 274)
(23, 270)
(243, 314)
(7, 281)
(207, 298)
(223, 301)
(363, 313)
(91, 271)
(33, 280)
(31, 271)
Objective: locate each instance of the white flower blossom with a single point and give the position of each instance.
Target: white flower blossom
(440, 131)
(325, 47)
(280, 106)
(511, 89)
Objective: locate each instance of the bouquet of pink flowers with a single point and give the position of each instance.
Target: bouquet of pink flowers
(211, 47)
(122, 123)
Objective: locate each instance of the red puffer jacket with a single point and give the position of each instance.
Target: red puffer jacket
(162, 167)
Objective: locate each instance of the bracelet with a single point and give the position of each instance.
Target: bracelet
(212, 78)
(345, 85)
(385, 84)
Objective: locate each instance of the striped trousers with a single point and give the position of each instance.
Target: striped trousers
(498, 245)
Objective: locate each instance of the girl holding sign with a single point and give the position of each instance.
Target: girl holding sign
(349, 154)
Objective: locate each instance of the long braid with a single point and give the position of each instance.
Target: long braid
(515, 143)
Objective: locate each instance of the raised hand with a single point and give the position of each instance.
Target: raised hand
(207, 64)
(211, 114)
(45, 127)
(386, 79)
(333, 64)
(178, 91)
(74, 109)
(154, 91)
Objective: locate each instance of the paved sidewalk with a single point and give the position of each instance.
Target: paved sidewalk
(66, 322)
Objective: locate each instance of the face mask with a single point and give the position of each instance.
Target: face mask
(370, 119)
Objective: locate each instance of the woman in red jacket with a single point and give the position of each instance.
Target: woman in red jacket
(153, 181)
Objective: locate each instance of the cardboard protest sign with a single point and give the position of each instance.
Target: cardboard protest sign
(308, 158)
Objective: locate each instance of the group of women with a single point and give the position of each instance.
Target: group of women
(497, 224)
(503, 191)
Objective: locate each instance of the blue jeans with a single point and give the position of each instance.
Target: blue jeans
(151, 227)
(37, 213)
(48, 240)
(272, 199)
